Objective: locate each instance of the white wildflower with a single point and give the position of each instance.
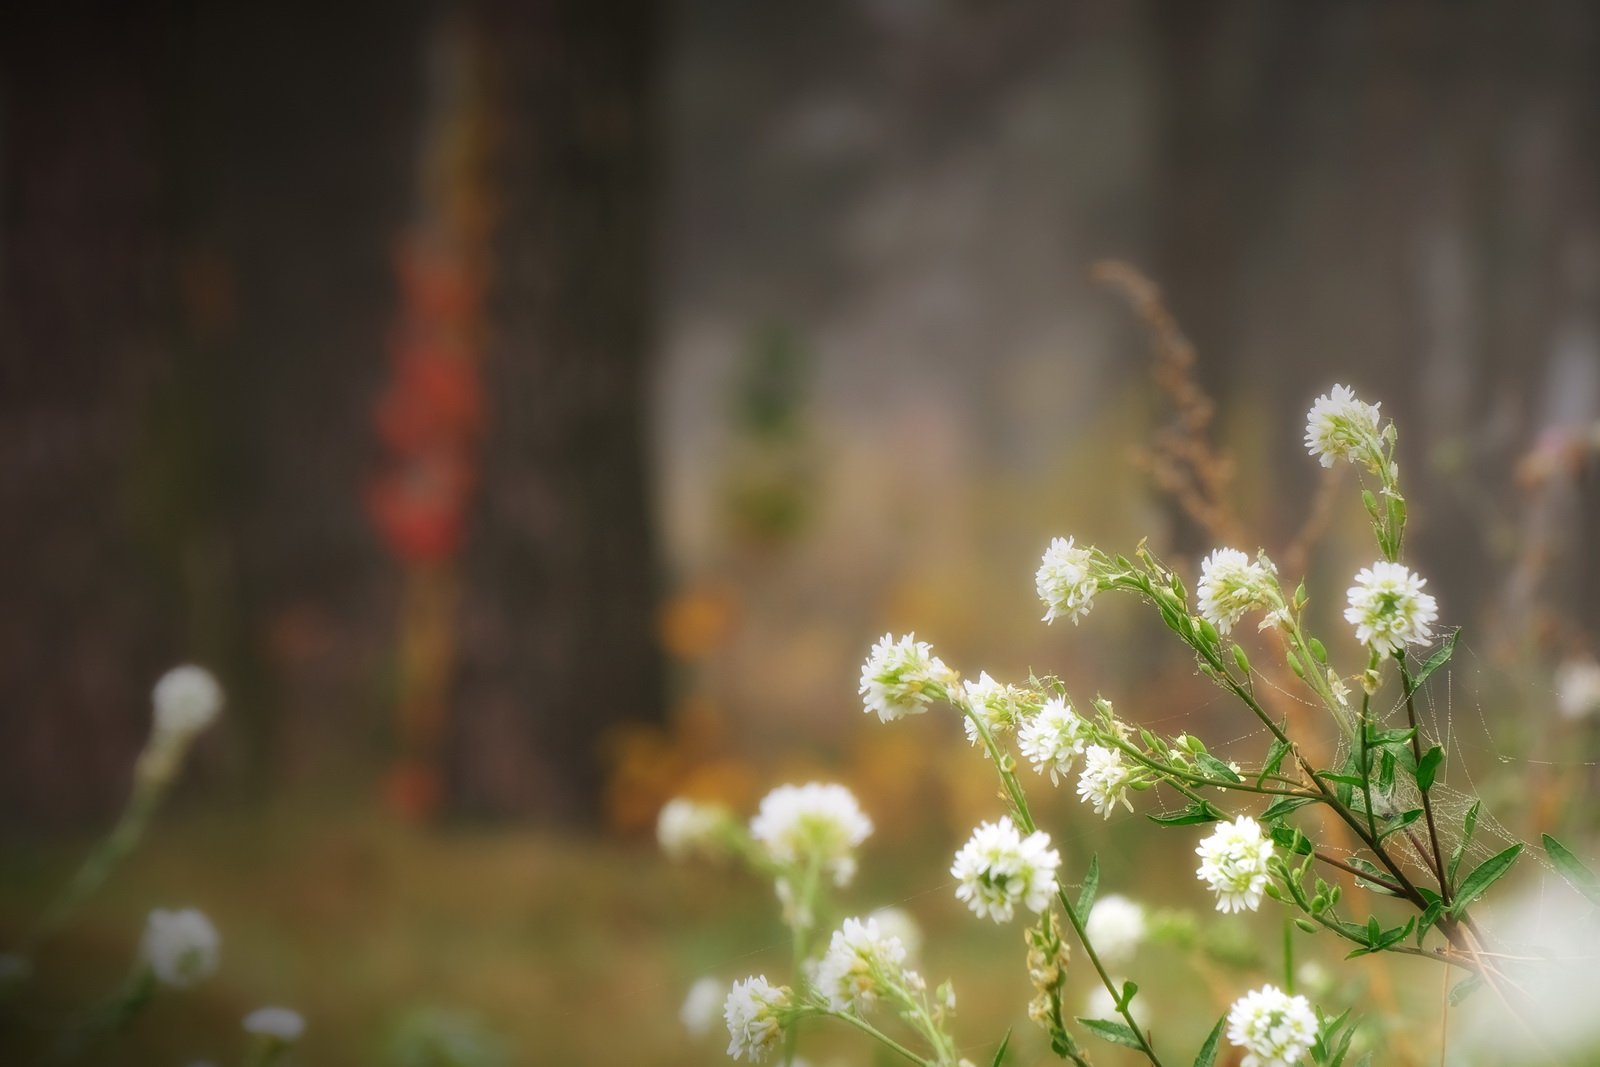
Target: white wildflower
(999, 868)
(899, 678)
(1339, 426)
(897, 922)
(1230, 585)
(862, 962)
(187, 700)
(688, 826)
(1233, 863)
(1054, 738)
(798, 824)
(702, 1005)
(754, 1014)
(1389, 609)
(1115, 927)
(1336, 686)
(1273, 1028)
(991, 702)
(1578, 688)
(1065, 581)
(181, 947)
(1105, 779)
(278, 1024)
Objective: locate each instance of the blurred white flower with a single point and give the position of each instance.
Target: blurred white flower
(1054, 738)
(754, 1014)
(1115, 927)
(688, 826)
(703, 1005)
(187, 700)
(1389, 609)
(181, 947)
(1233, 863)
(861, 962)
(1231, 585)
(1273, 1028)
(1100, 1004)
(998, 868)
(796, 823)
(898, 923)
(899, 678)
(278, 1024)
(1065, 581)
(1105, 779)
(1339, 426)
(1578, 688)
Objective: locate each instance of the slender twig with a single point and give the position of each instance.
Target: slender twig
(1416, 750)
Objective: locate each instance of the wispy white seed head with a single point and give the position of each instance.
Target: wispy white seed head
(1231, 584)
(279, 1024)
(1339, 426)
(1389, 609)
(862, 962)
(812, 823)
(754, 1012)
(187, 700)
(702, 1005)
(1233, 863)
(1273, 1028)
(1115, 927)
(1105, 779)
(900, 677)
(181, 947)
(1066, 581)
(686, 827)
(998, 869)
(1054, 738)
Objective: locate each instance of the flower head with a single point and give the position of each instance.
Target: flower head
(702, 1005)
(1105, 779)
(862, 961)
(899, 678)
(1233, 862)
(181, 947)
(1339, 426)
(990, 701)
(1115, 927)
(898, 923)
(277, 1024)
(1231, 585)
(1389, 609)
(999, 868)
(1273, 1028)
(1066, 581)
(754, 1012)
(187, 699)
(1054, 738)
(797, 823)
(687, 826)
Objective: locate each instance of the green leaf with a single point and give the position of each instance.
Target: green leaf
(1275, 756)
(1129, 991)
(1091, 883)
(1207, 1057)
(1000, 1053)
(1386, 772)
(1485, 875)
(1572, 869)
(1114, 1032)
(1399, 822)
(1440, 657)
(1216, 767)
(1343, 779)
(1428, 767)
(1198, 811)
(1465, 988)
(1468, 825)
(1318, 650)
(1370, 502)
(1291, 839)
(1284, 805)
(1389, 737)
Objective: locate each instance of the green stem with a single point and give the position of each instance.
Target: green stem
(1416, 751)
(888, 1042)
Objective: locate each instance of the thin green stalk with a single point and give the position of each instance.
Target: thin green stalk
(1416, 751)
(887, 1041)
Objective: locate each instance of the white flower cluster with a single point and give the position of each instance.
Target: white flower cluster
(187, 699)
(899, 678)
(1115, 927)
(1233, 862)
(1231, 585)
(812, 823)
(686, 826)
(1053, 739)
(283, 1025)
(998, 868)
(702, 1005)
(1389, 609)
(1105, 779)
(862, 962)
(1339, 426)
(754, 1013)
(995, 704)
(180, 947)
(1273, 1028)
(1065, 581)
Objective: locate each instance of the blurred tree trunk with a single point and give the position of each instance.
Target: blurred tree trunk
(560, 571)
